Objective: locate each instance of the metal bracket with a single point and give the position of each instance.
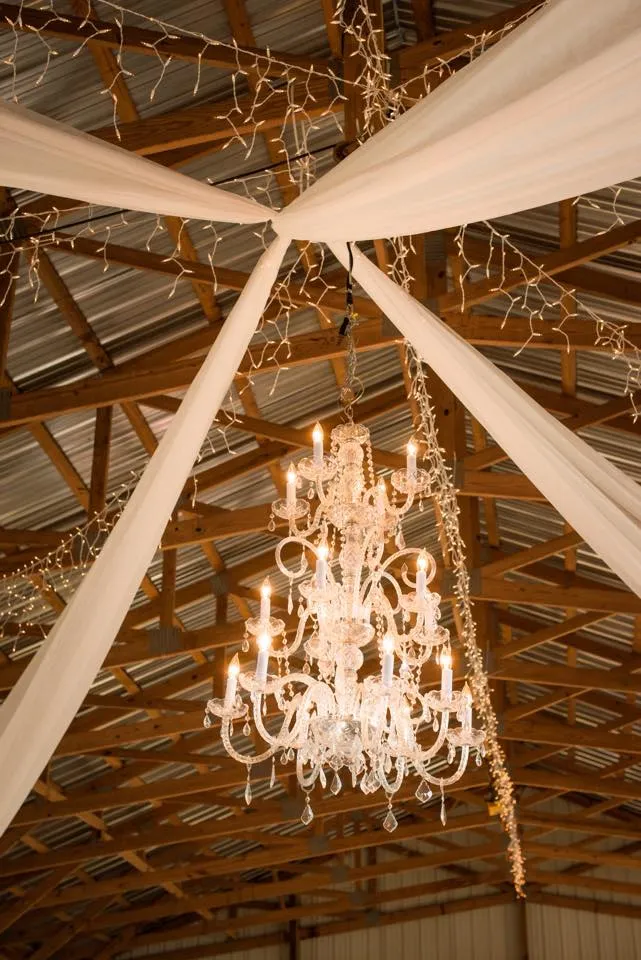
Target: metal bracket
(220, 584)
(164, 640)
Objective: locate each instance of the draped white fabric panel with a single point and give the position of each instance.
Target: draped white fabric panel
(600, 502)
(550, 112)
(44, 701)
(48, 157)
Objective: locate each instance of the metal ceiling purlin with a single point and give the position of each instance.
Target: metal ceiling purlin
(130, 311)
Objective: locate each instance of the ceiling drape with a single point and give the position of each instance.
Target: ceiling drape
(43, 703)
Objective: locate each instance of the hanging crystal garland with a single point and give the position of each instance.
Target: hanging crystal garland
(348, 693)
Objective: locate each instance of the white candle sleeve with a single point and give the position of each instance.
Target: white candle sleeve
(388, 669)
(230, 690)
(446, 682)
(261, 665)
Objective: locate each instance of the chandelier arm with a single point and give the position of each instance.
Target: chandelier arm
(302, 543)
(298, 639)
(443, 782)
(373, 581)
(306, 782)
(400, 774)
(423, 755)
(413, 552)
(298, 706)
(242, 758)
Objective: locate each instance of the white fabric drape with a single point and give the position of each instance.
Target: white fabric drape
(552, 111)
(45, 156)
(599, 501)
(50, 691)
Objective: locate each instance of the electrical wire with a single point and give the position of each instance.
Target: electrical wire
(14, 240)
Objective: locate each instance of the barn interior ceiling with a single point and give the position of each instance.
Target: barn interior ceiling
(136, 839)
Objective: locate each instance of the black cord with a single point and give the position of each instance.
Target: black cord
(12, 241)
(349, 295)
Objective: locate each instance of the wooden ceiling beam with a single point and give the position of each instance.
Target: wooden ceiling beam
(445, 46)
(583, 251)
(558, 734)
(152, 43)
(599, 599)
(585, 678)
(217, 121)
(615, 286)
(273, 813)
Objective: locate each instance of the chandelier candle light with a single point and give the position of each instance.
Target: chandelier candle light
(323, 706)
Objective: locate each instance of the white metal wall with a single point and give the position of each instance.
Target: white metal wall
(476, 935)
(493, 934)
(555, 933)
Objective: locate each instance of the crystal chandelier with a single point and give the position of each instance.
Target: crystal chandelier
(343, 695)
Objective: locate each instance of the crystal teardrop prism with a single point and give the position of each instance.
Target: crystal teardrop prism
(272, 779)
(248, 793)
(247, 729)
(336, 785)
(390, 822)
(207, 721)
(308, 814)
(443, 812)
(424, 792)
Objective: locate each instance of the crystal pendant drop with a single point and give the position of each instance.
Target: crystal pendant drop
(451, 753)
(290, 603)
(245, 645)
(435, 725)
(424, 792)
(272, 779)
(248, 793)
(336, 785)
(479, 759)
(322, 778)
(207, 721)
(308, 814)
(247, 729)
(400, 540)
(443, 812)
(390, 822)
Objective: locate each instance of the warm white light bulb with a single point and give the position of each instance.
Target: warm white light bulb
(323, 551)
(317, 433)
(388, 644)
(266, 588)
(291, 474)
(446, 661)
(412, 448)
(467, 693)
(234, 666)
(421, 563)
(264, 641)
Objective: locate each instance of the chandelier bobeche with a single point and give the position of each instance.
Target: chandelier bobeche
(334, 713)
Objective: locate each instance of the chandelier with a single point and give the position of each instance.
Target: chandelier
(343, 695)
